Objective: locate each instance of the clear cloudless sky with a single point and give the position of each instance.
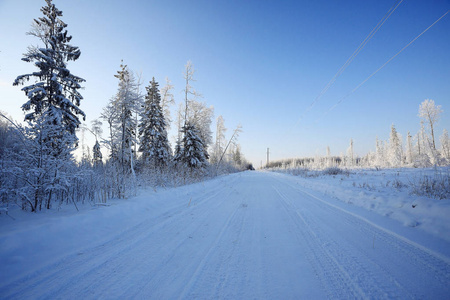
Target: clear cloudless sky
(259, 63)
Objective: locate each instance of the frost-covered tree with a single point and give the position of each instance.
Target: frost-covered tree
(154, 144)
(179, 138)
(54, 94)
(97, 130)
(445, 145)
(329, 159)
(422, 140)
(220, 140)
(395, 148)
(200, 115)
(195, 113)
(430, 114)
(167, 100)
(237, 156)
(109, 115)
(422, 148)
(37, 166)
(409, 149)
(178, 153)
(192, 153)
(190, 93)
(350, 154)
(124, 103)
(44, 164)
(7, 135)
(120, 115)
(97, 155)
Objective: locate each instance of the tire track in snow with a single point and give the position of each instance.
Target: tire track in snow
(430, 272)
(201, 266)
(92, 262)
(365, 274)
(423, 261)
(333, 276)
(173, 250)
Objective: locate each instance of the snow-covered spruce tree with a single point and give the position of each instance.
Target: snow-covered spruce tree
(154, 144)
(201, 117)
(195, 112)
(97, 153)
(193, 153)
(124, 123)
(96, 130)
(395, 148)
(178, 153)
(52, 106)
(120, 115)
(237, 157)
(55, 91)
(196, 134)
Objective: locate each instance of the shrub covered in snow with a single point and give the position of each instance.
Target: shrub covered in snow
(436, 186)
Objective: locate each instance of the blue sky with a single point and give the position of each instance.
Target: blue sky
(259, 63)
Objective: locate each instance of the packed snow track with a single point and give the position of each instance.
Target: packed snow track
(252, 235)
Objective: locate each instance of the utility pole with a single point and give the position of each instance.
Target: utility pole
(267, 165)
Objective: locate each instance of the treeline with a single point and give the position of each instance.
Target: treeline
(38, 168)
(419, 151)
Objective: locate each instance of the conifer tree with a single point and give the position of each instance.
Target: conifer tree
(237, 157)
(178, 153)
(380, 159)
(395, 148)
(409, 149)
(125, 124)
(52, 112)
(154, 144)
(53, 98)
(97, 155)
(196, 113)
(192, 154)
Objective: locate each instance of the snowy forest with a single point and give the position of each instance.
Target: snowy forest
(38, 165)
(420, 150)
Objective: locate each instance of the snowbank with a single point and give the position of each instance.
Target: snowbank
(388, 192)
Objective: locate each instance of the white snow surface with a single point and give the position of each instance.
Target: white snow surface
(251, 235)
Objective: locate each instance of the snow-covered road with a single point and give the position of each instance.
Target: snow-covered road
(251, 235)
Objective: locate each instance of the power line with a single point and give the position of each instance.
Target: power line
(352, 57)
(365, 80)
